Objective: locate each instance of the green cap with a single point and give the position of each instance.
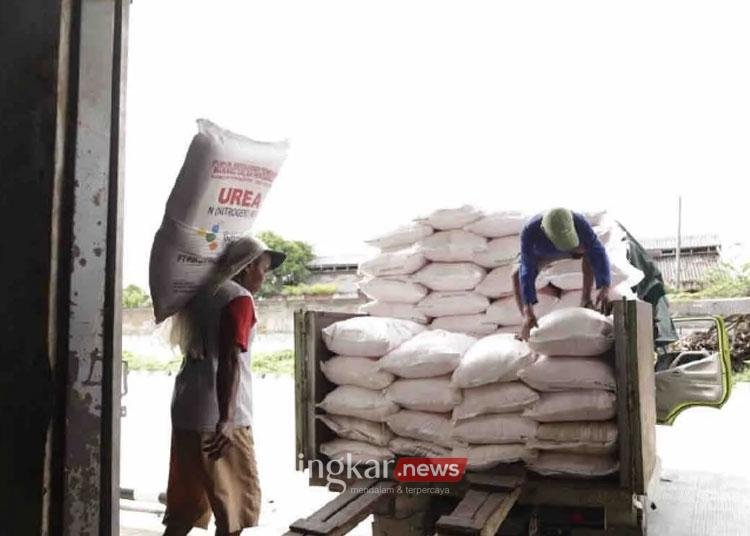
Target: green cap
(559, 227)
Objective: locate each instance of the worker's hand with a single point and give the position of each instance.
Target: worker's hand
(602, 300)
(221, 440)
(528, 323)
(586, 302)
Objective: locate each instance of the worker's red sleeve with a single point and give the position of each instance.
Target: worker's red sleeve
(237, 320)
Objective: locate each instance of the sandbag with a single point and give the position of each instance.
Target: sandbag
(405, 446)
(452, 246)
(495, 429)
(393, 290)
(444, 276)
(394, 263)
(401, 237)
(475, 325)
(431, 427)
(376, 433)
(483, 457)
(581, 405)
(424, 394)
(221, 187)
(506, 397)
(574, 465)
(452, 218)
(354, 452)
(359, 402)
(499, 224)
(456, 303)
(428, 354)
(359, 371)
(402, 311)
(498, 252)
(572, 332)
(490, 359)
(505, 310)
(367, 336)
(549, 374)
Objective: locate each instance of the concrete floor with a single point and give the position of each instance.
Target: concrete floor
(704, 489)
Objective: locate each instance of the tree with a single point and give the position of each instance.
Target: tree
(133, 296)
(295, 269)
(724, 281)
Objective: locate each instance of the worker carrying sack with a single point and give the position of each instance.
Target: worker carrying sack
(220, 189)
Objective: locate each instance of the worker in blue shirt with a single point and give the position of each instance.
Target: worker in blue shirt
(559, 234)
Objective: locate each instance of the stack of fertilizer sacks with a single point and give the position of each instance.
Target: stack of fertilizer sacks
(453, 269)
(435, 369)
(405, 390)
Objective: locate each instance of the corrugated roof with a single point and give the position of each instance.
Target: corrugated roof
(692, 241)
(693, 268)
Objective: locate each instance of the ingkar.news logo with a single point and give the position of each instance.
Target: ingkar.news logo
(430, 469)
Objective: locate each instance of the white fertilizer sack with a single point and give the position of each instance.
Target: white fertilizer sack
(394, 263)
(499, 252)
(354, 452)
(358, 402)
(456, 303)
(393, 290)
(510, 397)
(505, 310)
(499, 224)
(444, 276)
(452, 218)
(490, 359)
(581, 405)
(376, 433)
(221, 186)
(435, 395)
(428, 354)
(495, 429)
(403, 311)
(550, 374)
(572, 332)
(359, 371)
(368, 336)
(431, 427)
(401, 237)
(405, 446)
(452, 246)
(475, 325)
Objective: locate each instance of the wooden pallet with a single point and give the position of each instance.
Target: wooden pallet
(347, 510)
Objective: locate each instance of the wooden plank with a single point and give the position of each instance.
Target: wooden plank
(644, 417)
(301, 392)
(479, 513)
(346, 510)
(494, 481)
(622, 380)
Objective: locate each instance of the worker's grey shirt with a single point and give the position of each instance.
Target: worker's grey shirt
(194, 401)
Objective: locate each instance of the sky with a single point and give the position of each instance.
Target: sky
(395, 109)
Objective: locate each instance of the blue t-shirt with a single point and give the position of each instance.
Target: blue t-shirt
(536, 247)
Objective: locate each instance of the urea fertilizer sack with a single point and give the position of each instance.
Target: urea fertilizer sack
(475, 325)
(452, 246)
(504, 397)
(359, 371)
(498, 224)
(393, 290)
(495, 429)
(217, 195)
(576, 465)
(550, 374)
(392, 263)
(445, 276)
(572, 332)
(352, 401)
(346, 450)
(405, 446)
(376, 433)
(579, 405)
(452, 218)
(483, 457)
(403, 311)
(490, 359)
(499, 282)
(498, 252)
(455, 303)
(572, 447)
(595, 433)
(367, 336)
(431, 427)
(424, 394)
(428, 354)
(505, 310)
(401, 237)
